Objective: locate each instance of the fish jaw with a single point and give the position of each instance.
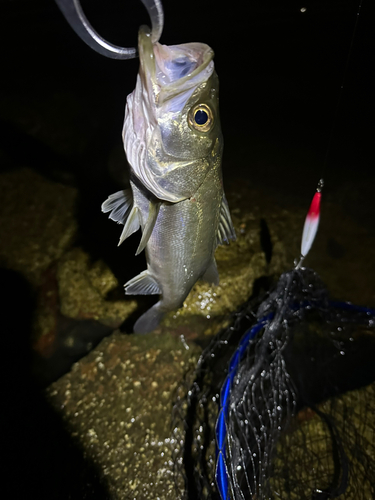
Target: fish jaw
(168, 73)
(165, 152)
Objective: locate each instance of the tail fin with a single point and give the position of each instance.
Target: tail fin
(149, 320)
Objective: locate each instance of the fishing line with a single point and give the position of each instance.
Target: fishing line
(312, 220)
(341, 90)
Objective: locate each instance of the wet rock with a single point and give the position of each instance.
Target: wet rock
(83, 287)
(47, 314)
(73, 313)
(117, 403)
(38, 229)
(37, 222)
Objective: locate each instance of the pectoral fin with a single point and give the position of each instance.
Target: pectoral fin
(211, 275)
(119, 204)
(121, 208)
(143, 284)
(153, 212)
(226, 230)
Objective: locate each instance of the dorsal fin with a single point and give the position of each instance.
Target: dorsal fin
(226, 230)
(119, 204)
(153, 212)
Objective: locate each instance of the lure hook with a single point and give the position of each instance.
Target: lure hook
(75, 16)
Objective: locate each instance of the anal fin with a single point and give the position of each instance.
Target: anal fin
(211, 274)
(143, 284)
(153, 212)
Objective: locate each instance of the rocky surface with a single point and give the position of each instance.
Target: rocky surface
(37, 222)
(117, 402)
(83, 287)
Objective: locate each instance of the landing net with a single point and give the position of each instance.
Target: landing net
(281, 404)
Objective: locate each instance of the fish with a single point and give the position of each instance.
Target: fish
(173, 143)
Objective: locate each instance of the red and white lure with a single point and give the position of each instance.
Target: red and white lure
(311, 225)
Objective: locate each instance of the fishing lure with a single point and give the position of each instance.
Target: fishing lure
(311, 225)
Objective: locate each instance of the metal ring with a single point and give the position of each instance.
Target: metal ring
(75, 16)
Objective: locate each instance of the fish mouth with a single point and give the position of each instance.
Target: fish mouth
(171, 69)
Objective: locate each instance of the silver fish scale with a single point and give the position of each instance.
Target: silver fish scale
(182, 243)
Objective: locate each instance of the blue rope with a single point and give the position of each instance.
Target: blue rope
(221, 472)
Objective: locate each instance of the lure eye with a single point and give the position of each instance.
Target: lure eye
(201, 117)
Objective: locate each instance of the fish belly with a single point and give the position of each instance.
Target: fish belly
(183, 242)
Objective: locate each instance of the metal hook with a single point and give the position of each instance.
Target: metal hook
(75, 16)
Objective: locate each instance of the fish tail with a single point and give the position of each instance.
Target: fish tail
(149, 320)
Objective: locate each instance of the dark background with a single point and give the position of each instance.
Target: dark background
(280, 72)
(61, 112)
(286, 120)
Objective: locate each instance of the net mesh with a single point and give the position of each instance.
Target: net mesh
(279, 405)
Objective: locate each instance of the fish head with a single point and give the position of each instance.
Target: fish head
(172, 133)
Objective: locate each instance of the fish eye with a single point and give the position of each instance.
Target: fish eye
(201, 117)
